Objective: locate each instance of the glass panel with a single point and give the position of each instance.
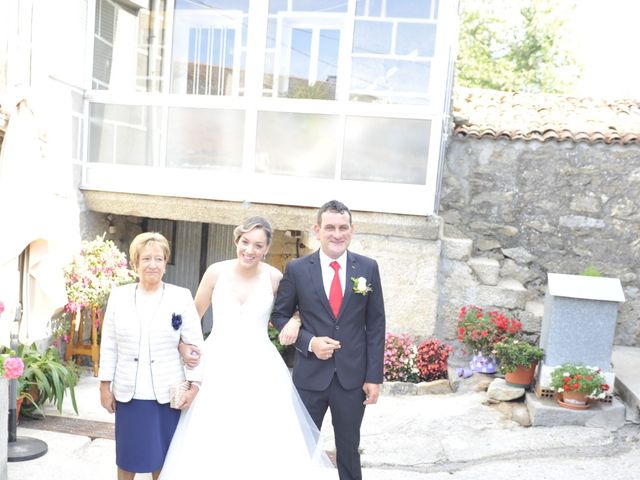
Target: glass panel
(123, 134)
(319, 5)
(208, 43)
(201, 138)
(399, 79)
(328, 60)
(389, 150)
(416, 39)
(409, 8)
(300, 58)
(276, 6)
(297, 144)
(369, 8)
(128, 47)
(372, 37)
(391, 57)
(304, 64)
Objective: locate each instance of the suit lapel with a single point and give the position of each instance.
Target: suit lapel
(352, 270)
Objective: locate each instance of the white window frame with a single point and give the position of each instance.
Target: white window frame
(248, 186)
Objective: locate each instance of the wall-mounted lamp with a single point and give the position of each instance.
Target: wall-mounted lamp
(293, 233)
(111, 228)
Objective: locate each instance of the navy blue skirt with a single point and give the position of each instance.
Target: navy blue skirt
(144, 429)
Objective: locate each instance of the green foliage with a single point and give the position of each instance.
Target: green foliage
(513, 353)
(273, 336)
(591, 271)
(319, 90)
(46, 378)
(515, 47)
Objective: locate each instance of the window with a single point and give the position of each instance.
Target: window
(271, 101)
(303, 47)
(208, 49)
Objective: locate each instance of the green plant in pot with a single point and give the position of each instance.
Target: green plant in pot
(46, 378)
(517, 360)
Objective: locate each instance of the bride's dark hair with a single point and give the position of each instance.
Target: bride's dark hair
(252, 223)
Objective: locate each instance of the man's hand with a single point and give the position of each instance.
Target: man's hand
(323, 347)
(190, 354)
(371, 392)
(289, 333)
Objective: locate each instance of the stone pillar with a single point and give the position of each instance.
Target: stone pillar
(579, 322)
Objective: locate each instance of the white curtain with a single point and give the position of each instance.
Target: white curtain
(38, 210)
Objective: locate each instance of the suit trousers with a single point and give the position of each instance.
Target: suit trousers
(347, 412)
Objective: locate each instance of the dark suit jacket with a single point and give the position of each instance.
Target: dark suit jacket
(360, 326)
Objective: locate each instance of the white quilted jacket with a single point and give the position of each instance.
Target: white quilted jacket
(120, 343)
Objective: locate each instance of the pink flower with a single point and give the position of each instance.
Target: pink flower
(13, 367)
(1, 308)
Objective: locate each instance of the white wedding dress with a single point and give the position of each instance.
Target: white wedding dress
(247, 421)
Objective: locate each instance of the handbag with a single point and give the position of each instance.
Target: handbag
(177, 391)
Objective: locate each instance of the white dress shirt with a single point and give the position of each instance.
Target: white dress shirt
(328, 272)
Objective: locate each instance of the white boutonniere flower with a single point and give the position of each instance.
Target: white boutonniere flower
(361, 286)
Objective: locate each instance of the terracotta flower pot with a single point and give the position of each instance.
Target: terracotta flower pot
(522, 376)
(573, 400)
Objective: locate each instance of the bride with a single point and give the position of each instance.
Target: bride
(247, 420)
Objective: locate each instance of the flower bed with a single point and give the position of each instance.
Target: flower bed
(408, 369)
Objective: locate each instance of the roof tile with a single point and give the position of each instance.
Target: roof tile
(544, 117)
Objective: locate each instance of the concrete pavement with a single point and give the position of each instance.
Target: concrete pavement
(454, 436)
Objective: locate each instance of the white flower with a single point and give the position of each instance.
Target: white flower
(360, 285)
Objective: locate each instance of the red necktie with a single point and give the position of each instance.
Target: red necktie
(335, 292)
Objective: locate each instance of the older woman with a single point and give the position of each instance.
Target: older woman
(139, 359)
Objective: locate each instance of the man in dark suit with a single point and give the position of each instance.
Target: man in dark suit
(340, 347)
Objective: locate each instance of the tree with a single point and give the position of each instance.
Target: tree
(515, 46)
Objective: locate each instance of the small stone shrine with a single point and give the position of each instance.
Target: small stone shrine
(579, 322)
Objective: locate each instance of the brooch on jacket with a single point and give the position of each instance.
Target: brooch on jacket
(176, 320)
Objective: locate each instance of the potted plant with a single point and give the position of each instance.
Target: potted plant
(89, 278)
(517, 360)
(46, 378)
(575, 384)
(480, 330)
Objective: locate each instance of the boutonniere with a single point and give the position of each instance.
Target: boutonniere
(361, 286)
(176, 320)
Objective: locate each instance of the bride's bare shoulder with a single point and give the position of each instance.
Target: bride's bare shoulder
(275, 275)
(213, 271)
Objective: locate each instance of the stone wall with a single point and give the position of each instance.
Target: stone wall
(515, 210)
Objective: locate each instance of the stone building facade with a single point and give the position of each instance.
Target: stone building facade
(514, 206)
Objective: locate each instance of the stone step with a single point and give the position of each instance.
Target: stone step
(486, 269)
(456, 248)
(626, 365)
(545, 412)
(508, 293)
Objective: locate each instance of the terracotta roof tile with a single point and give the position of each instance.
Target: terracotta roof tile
(545, 117)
